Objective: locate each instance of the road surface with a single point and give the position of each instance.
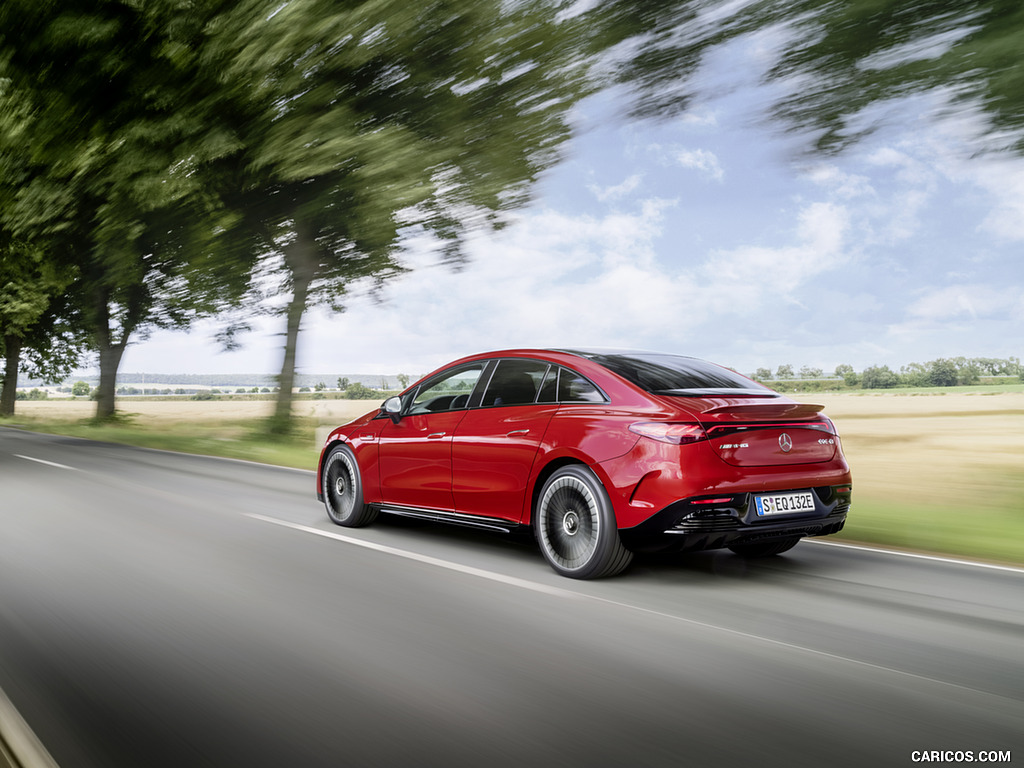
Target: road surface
(170, 610)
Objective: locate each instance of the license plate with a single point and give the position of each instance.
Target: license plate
(784, 504)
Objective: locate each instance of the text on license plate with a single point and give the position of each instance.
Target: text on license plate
(784, 503)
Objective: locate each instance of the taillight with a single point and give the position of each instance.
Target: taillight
(676, 433)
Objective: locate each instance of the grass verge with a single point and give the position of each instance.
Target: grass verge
(993, 533)
(230, 438)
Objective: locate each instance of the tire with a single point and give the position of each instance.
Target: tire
(575, 526)
(343, 490)
(765, 548)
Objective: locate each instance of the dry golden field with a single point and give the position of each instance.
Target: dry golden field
(936, 449)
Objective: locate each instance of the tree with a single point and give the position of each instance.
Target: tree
(942, 373)
(403, 380)
(806, 372)
(784, 372)
(357, 391)
(28, 287)
(105, 90)
(763, 374)
(847, 374)
(840, 65)
(358, 124)
(879, 377)
(32, 312)
(80, 389)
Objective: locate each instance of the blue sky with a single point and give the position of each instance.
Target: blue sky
(707, 235)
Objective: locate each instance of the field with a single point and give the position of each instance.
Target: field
(932, 472)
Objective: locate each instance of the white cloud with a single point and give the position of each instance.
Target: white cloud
(700, 160)
(848, 186)
(755, 272)
(617, 192)
(971, 301)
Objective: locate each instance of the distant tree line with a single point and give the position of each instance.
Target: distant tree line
(943, 372)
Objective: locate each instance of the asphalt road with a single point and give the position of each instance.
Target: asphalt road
(168, 610)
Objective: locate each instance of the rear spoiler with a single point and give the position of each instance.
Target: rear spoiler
(765, 411)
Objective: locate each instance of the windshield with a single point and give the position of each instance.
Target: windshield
(675, 375)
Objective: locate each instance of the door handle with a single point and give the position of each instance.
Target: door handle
(515, 432)
(435, 435)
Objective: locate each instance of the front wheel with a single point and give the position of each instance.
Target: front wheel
(765, 548)
(343, 490)
(575, 526)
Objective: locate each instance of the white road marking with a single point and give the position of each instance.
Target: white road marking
(918, 556)
(570, 594)
(468, 569)
(19, 741)
(48, 463)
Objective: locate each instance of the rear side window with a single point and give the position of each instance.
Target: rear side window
(515, 382)
(564, 386)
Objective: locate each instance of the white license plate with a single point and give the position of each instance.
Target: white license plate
(784, 503)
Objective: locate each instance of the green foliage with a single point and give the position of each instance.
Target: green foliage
(80, 389)
(763, 374)
(784, 372)
(879, 377)
(943, 373)
(841, 67)
(848, 375)
(103, 147)
(33, 394)
(357, 391)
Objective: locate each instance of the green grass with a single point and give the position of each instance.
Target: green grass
(235, 439)
(992, 532)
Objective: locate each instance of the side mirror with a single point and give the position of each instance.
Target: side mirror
(393, 408)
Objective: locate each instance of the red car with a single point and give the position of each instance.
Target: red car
(600, 453)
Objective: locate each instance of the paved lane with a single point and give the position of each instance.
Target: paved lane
(158, 609)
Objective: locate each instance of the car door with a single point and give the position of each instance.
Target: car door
(496, 443)
(416, 452)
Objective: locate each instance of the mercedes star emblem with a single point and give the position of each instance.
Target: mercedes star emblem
(785, 443)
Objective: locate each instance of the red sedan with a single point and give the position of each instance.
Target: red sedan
(600, 453)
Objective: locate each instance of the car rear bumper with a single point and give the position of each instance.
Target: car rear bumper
(721, 520)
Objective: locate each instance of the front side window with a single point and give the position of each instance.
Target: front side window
(449, 391)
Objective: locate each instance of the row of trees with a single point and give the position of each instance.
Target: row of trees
(943, 372)
(168, 160)
(163, 161)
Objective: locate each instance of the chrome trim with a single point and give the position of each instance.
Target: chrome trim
(454, 518)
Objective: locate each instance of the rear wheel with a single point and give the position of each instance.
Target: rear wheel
(343, 490)
(575, 526)
(765, 548)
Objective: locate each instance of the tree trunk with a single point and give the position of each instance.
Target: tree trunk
(300, 258)
(110, 351)
(12, 347)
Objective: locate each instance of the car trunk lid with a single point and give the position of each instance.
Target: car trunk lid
(759, 433)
